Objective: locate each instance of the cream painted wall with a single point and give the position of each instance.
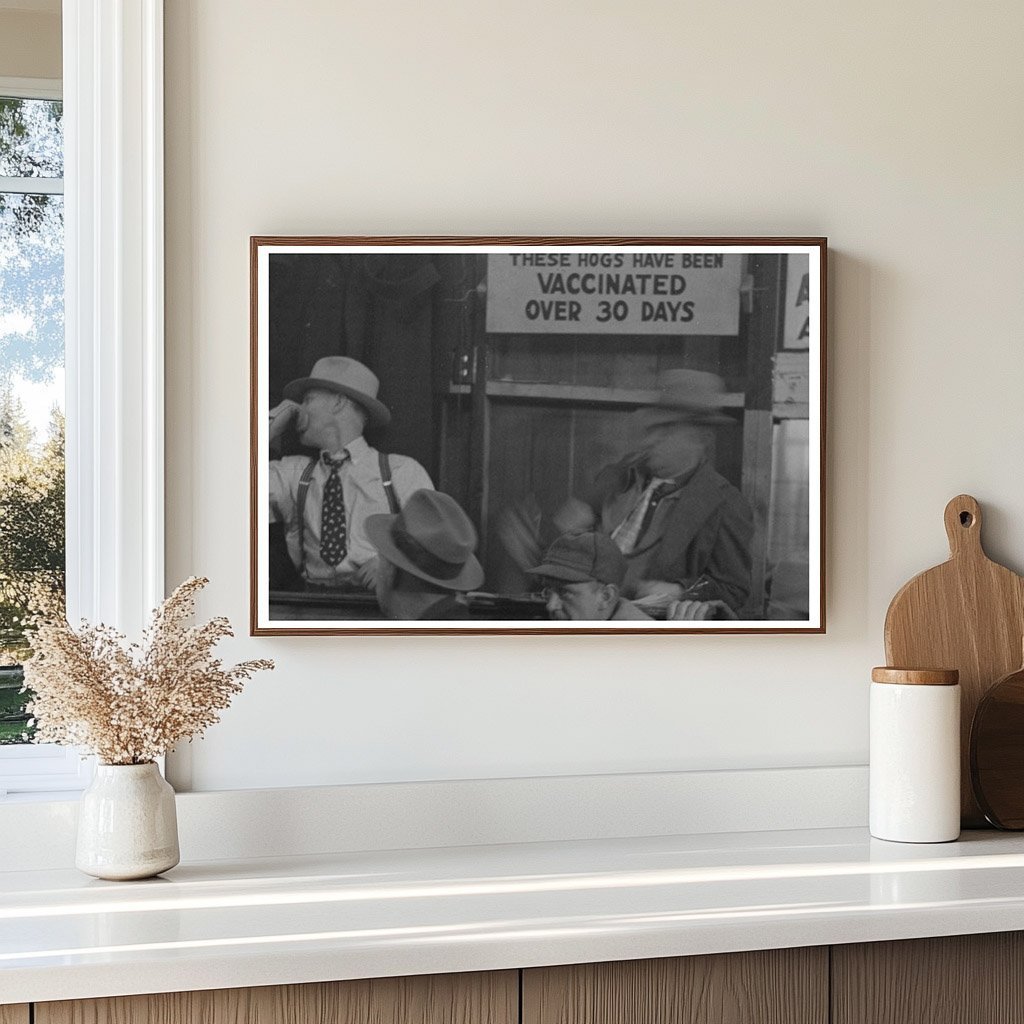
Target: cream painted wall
(894, 129)
(29, 44)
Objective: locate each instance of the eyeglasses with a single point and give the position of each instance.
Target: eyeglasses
(561, 590)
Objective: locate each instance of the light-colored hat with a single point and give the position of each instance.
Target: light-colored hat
(432, 538)
(345, 377)
(579, 557)
(686, 396)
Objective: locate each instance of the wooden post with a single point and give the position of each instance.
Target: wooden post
(763, 329)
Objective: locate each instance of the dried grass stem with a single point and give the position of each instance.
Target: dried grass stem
(130, 703)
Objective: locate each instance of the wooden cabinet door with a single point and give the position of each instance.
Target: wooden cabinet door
(779, 986)
(481, 998)
(962, 979)
(14, 1014)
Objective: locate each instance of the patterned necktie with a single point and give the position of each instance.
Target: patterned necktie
(657, 493)
(333, 530)
(627, 535)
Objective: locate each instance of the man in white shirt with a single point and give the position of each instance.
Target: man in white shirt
(323, 503)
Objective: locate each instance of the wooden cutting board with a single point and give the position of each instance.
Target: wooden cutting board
(967, 614)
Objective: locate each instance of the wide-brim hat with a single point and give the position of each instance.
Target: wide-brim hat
(432, 538)
(686, 396)
(344, 376)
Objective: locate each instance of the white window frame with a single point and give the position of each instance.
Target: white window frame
(114, 336)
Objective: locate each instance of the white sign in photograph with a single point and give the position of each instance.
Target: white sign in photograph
(613, 293)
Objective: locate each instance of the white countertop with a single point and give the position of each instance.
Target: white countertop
(225, 924)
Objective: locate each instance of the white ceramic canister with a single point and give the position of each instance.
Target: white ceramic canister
(915, 755)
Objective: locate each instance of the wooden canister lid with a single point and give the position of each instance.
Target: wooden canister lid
(916, 676)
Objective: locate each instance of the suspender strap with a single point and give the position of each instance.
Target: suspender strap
(389, 487)
(300, 510)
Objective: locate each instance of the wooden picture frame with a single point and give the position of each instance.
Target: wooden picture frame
(644, 416)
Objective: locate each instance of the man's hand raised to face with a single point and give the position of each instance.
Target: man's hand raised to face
(282, 416)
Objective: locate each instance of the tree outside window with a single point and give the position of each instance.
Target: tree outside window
(31, 385)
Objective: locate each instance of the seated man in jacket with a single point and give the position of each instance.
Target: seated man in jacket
(323, 503)
(427, 562)
(582, 575)
(684, 530)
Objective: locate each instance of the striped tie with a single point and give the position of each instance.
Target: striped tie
(333, 530)
(629, 532)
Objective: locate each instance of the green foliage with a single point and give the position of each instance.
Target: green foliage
(31, 146)
(31, 524)
(14, 727)
(31, 348)
(31, 548)
(31, 138)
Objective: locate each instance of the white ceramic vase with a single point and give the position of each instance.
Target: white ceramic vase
(127, 825)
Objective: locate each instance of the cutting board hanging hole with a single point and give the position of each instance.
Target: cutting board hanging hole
(963, 525)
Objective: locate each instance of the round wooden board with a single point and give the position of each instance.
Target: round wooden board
(997, 752)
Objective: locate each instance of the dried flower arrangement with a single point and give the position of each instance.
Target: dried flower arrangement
(129, 704)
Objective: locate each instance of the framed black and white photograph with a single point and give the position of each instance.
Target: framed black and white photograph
(537, 435)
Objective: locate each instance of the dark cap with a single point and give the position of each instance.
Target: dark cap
(580, 557)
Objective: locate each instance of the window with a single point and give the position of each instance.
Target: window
(31, 381)
(32, 535)
(113, 336)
